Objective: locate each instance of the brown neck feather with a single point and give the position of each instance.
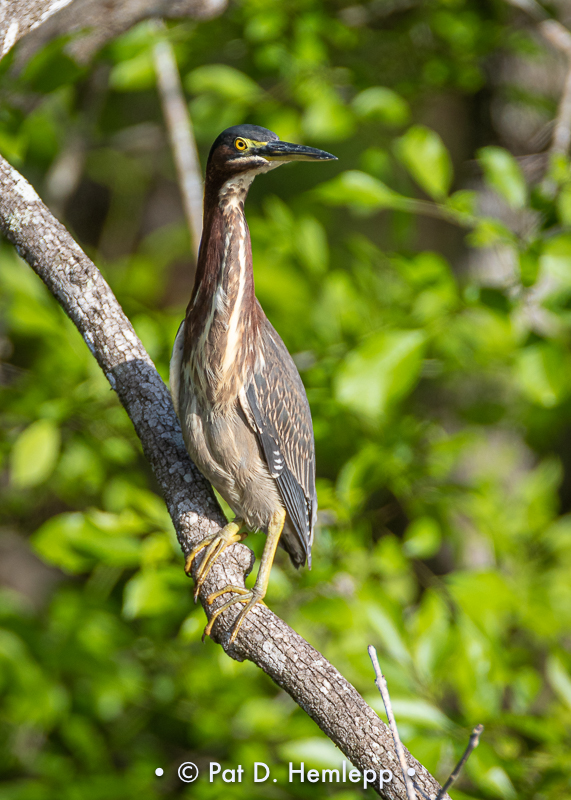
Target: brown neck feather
(222, 313)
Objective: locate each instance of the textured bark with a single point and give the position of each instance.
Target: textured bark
(264, 638)
(19, 18)
(93, 21)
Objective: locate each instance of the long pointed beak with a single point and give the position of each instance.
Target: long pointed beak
(285, 151)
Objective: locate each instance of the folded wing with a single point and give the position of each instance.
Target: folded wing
(276, 406)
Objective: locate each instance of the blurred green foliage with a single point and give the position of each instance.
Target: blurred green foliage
(441, 401)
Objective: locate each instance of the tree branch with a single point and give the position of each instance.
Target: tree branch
(95, 22)
(18, 19)
(331, 701)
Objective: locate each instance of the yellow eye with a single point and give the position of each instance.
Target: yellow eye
(240, 144)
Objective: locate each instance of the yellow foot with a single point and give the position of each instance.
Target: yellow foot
(249, 596)
(216, 544)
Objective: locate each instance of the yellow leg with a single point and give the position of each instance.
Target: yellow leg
(216, 544)
(251, 597)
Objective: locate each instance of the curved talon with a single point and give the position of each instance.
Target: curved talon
(192, 555)
(248, 596)
(216, 544)
(236, 589)
(215, 548)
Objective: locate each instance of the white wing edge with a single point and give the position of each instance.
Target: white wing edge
(175, 367)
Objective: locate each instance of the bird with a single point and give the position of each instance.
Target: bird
(238, 395)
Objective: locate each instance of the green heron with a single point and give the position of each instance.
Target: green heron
(236, 390)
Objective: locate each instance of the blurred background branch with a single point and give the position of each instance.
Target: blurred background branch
(559, 37)
(181, 135)
(93, 22)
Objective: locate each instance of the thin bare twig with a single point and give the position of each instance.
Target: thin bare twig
(181, 135)
(408, 773)
(381, 685)
(472, 744)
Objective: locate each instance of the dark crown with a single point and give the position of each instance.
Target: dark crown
(254, 132)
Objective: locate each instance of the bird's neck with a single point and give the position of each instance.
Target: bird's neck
(221, 316)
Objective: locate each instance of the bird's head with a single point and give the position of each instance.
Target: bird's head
(248, 150)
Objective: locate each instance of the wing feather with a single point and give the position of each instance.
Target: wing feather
(278, 410)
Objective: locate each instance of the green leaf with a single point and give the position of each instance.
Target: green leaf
(311, 245)
(51, 67)
(136, 74)
(559, 169)
(34, 454)
(432, 627)
(462, 202)
(559, 679)
(497, 780)
(314, 752)
(485, 597)
(54, 543)
(423, 153)
(564, 205)
(529, 266)
(388, 633)
(151, 592)
(414, 710)
(258, 716)
(12, 146)
(360, 191)
(380, 371)
(544, 372)
(74, 542)
(376, 161)
(382, 104)
(422, 538)
(327, 118)
(489, 232)
(225, 81)
(503, 173)
(556, 258)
